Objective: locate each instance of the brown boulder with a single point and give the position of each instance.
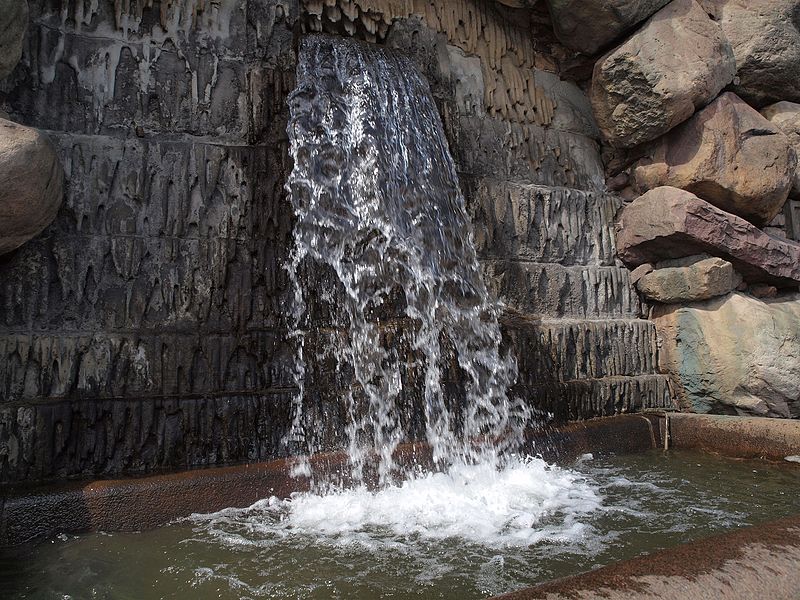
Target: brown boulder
(727, 154)
(765, 36)
(689, 279)
(786, 117)
(667, 223)
(31, 184)
(678, 61)
(13, 25)
(590, 25)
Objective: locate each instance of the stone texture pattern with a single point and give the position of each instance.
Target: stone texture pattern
(677, 62)
(31, 184)
(734, 354)
(765, 36)
(727, 154)
(690, 279)
(13, 26)
(591, 26)
(667, 223)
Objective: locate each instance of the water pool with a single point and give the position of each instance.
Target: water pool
(470, 534)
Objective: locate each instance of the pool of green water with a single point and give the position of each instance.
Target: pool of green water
(592, 513)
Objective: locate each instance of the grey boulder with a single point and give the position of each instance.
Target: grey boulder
(588, 26)
(31, 184)
(786, 117)
(689, 279)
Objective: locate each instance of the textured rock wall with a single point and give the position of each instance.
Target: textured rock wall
(144, 329)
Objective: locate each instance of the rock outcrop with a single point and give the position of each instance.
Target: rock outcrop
(588, 27)
(689, 279)
(667, 223)
(31, 184)
(735, 354)
(765, 35)
(677, 62)
(727, 154)
(786, 117)
(13, 25)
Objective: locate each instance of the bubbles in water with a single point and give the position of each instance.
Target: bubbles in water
(379, 212)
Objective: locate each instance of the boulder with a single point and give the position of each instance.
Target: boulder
(765, 36)
(31, 184)
(727, 154)
(667, 223)
(13, 25)
(786, 117)
(677, 62)
(700, 277)
(735, 354)
(590, 25)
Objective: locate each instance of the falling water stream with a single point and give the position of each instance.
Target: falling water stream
(378, 205)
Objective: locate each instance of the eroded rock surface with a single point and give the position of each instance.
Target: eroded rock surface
(31, 184)
(786, 117)
(678, 61)
(765, 35)
(591, 26)
(727, 154)
(13, 25)
(667, 223)
(700, 277)
(733, 354)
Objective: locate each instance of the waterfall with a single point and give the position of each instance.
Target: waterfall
(378, 207)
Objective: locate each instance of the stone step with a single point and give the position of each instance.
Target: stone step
(590, 398)
(552, 290)
(543, 224)
(559, 351)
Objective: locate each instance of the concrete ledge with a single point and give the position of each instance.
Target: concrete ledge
(29, 513)
(739, 437)
(749, 564)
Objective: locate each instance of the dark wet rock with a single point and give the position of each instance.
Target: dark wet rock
(727, 154)
(13, 25)
(667, 223)
(588, 26)
(678, 61)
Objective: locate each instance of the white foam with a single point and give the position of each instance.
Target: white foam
(526, 503)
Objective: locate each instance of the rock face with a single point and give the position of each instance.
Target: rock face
(667, 223)
(690, 279)
(591, 26)
(13, 25)
(786, 117)
(735, 354)
(727, 154)
(678, 61)
(765, 35)
(31, 184)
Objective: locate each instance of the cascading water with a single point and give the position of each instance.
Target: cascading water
(377, 203)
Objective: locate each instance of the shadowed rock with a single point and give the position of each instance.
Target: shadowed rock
(733, 353)
(31, 184)
(590, 25)
(668, 223)
(786, 117)
(727, 154)
(690, 279)
(13, 25)
(765, 35)
(676, 63)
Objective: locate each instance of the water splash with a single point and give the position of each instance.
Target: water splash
(378, 205)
